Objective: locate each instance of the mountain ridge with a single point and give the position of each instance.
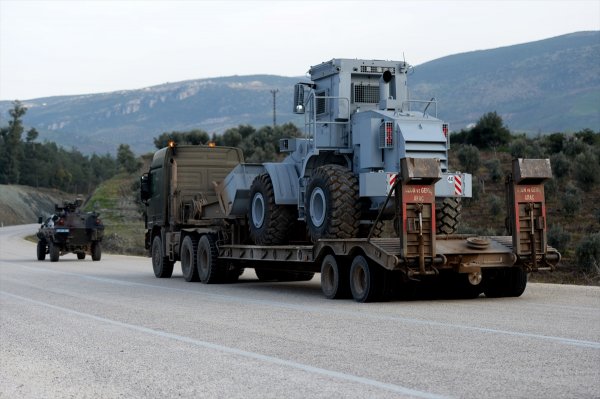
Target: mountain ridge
(537, 87)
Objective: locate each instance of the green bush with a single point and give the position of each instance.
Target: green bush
(558, 237)
(469, 158)
(560, 165)
(586, 170)
(495, 170)
(587, 253)
(571, 200)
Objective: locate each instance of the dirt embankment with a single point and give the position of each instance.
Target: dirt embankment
(23, 204)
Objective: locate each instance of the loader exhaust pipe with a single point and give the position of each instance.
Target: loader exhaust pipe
(384, 88)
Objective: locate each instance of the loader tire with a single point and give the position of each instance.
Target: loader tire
(269, 223)
(332, 203)
(163, 267)
(447, 215)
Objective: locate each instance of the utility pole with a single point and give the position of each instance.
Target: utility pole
(274, 93)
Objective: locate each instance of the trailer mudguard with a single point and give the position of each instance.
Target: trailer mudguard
(285, 182)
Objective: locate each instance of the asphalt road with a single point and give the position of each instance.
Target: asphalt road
(111, 329)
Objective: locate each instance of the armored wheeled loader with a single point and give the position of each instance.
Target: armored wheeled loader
(70, 230)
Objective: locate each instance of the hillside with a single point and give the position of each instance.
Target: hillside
(23, 204)
(545, 86)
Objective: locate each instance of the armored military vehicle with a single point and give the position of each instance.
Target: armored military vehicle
(70, 230)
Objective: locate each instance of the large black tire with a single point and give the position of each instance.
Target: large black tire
(163, 267)
(366, 280)
(41, 250)
(332, 203)
(188, 259)
(207, 260)
(54, 252)
(516, 278)
(335, 280)
(97, 251)
(269, 223)
(447, 215)
(505, 282)
(81, 255)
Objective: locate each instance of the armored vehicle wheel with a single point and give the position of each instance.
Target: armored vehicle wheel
(269, 223)
(447, 215)
(81, 255)
(335, 282)
(332, 203)
(54, 252)
(97, 251)
(188, 259)
(207, 260)
(163, 267)
(366, 280)
(41, 250)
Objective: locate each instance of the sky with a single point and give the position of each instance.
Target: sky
(51, 48)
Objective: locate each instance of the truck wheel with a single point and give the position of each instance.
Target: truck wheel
(163, 267)
(332, 203)
(188, 259)
(447, 215)
(366, 280)
(335, 282)
(495, 282)
(41, 250)
(81, 255)
(54, 252)
(97, 251)
(516, 278)
(269, 223)
(208, 260)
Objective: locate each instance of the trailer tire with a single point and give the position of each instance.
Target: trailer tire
(81, 255)
(447, 215)
(54, 252)
(335, 280)
(41, 250)
(366, 280)
(332, 203)
(207, 260)
(97, 252)
(516, 278)
(188, 259)
(163, 267)
(269, 223)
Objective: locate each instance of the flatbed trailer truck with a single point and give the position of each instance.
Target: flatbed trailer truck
(192, 192)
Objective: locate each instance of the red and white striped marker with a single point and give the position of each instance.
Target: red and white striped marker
(457, 185)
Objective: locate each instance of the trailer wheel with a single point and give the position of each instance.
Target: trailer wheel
(97, 252)
(41, 250)
(207, 260)
(447, 215)
(54, 252)
(366, 280)
(163, 267)
(188, 259)
(516, 278)
(335, 280)
(332, 203)
(269, 223)
(81, 255)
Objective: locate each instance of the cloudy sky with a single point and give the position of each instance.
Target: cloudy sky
(50, 47)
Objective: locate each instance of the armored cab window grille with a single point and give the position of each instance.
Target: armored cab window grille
(386, 135)
(365, 93)
(321, 103)
(376, 69)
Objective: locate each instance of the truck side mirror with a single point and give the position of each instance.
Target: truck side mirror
(299, 98)
(145, 189)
